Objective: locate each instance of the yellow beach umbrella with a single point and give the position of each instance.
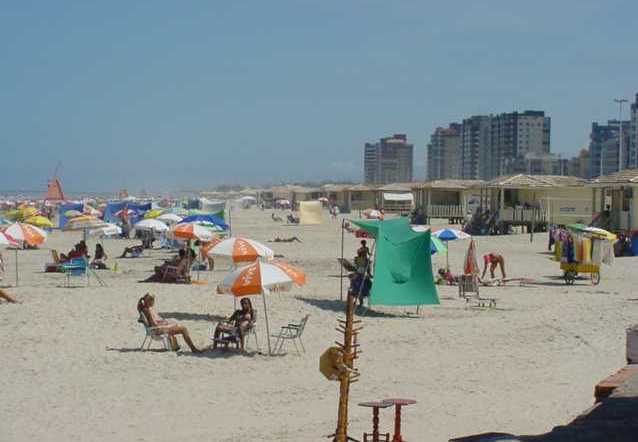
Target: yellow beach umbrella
(153, 214)
(39, 221)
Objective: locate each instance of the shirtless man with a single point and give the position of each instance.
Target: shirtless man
(493, 259)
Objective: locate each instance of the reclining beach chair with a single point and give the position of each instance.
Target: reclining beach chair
(153, 334)
(291, 332)
(56, 265)
(234, 338)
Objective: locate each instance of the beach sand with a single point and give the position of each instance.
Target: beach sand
(72, 369)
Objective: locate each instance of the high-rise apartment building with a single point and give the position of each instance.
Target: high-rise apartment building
(443, 153)
(517, 135)
(388, 161)
(604, 148)
(475, 154)
(579, 165)
(633, 134)
(493, 145)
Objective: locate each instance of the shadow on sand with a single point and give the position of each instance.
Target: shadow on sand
(337, 306)
(183, 316)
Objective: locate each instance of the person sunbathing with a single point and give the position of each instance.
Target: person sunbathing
(7, 297)
(493, 259)
(446, 277)
(238, 323)
(145, 306)
(133, 251)
(291, 239)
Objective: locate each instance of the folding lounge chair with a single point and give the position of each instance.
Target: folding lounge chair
(153, 334)
(291, 332)
(56, 265)
(227, 339)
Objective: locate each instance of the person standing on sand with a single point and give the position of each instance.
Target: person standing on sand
(493, 259)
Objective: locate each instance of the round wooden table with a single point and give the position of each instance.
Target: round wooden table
(375, 416)
(398, 403)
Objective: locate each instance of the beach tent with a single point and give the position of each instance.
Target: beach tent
(212, 206)
(111, 209)
(64, 208)
(403, 266)
(310, 212)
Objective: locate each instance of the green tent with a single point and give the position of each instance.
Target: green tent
(403, 266)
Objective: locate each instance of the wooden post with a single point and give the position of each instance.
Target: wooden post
(341, 266)
(349, 351)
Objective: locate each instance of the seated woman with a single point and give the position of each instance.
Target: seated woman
(145, 306)
(133, 251)
(78, 251)
(238, 323)
(99, 258)
(172, 270)
(446, 277)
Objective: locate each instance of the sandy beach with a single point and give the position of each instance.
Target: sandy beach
(72, 369)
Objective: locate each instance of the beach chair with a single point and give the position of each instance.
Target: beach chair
(291, 332)
(469, 289)
(233, 338)
(77, 267)
(153, 334)
(56, 265)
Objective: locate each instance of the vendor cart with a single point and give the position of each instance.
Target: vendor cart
(572, 269)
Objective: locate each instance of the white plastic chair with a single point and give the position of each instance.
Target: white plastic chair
(153, 334)
(291, 332)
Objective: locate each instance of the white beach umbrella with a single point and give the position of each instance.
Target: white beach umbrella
(107, 230)
(151, 224)
(169, 218)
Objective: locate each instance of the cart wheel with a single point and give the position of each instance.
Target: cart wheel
(570, 277)
(595, 278)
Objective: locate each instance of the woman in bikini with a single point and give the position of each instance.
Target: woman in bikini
(238, 323)
(145, 306)
(493, 259)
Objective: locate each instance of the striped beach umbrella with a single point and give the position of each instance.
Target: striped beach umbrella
(84, 222)
(26, 233)
(261, 278)
(7, 241)
(192, 231)
(241, 249)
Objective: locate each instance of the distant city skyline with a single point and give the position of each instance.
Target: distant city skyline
(167, 96)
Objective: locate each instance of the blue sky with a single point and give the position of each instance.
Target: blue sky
(170, 95)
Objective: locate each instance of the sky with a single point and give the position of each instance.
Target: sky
(165, 95)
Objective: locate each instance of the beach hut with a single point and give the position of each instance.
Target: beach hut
(615, 201)
(447, 199)
(396, 198)
(539, 199)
